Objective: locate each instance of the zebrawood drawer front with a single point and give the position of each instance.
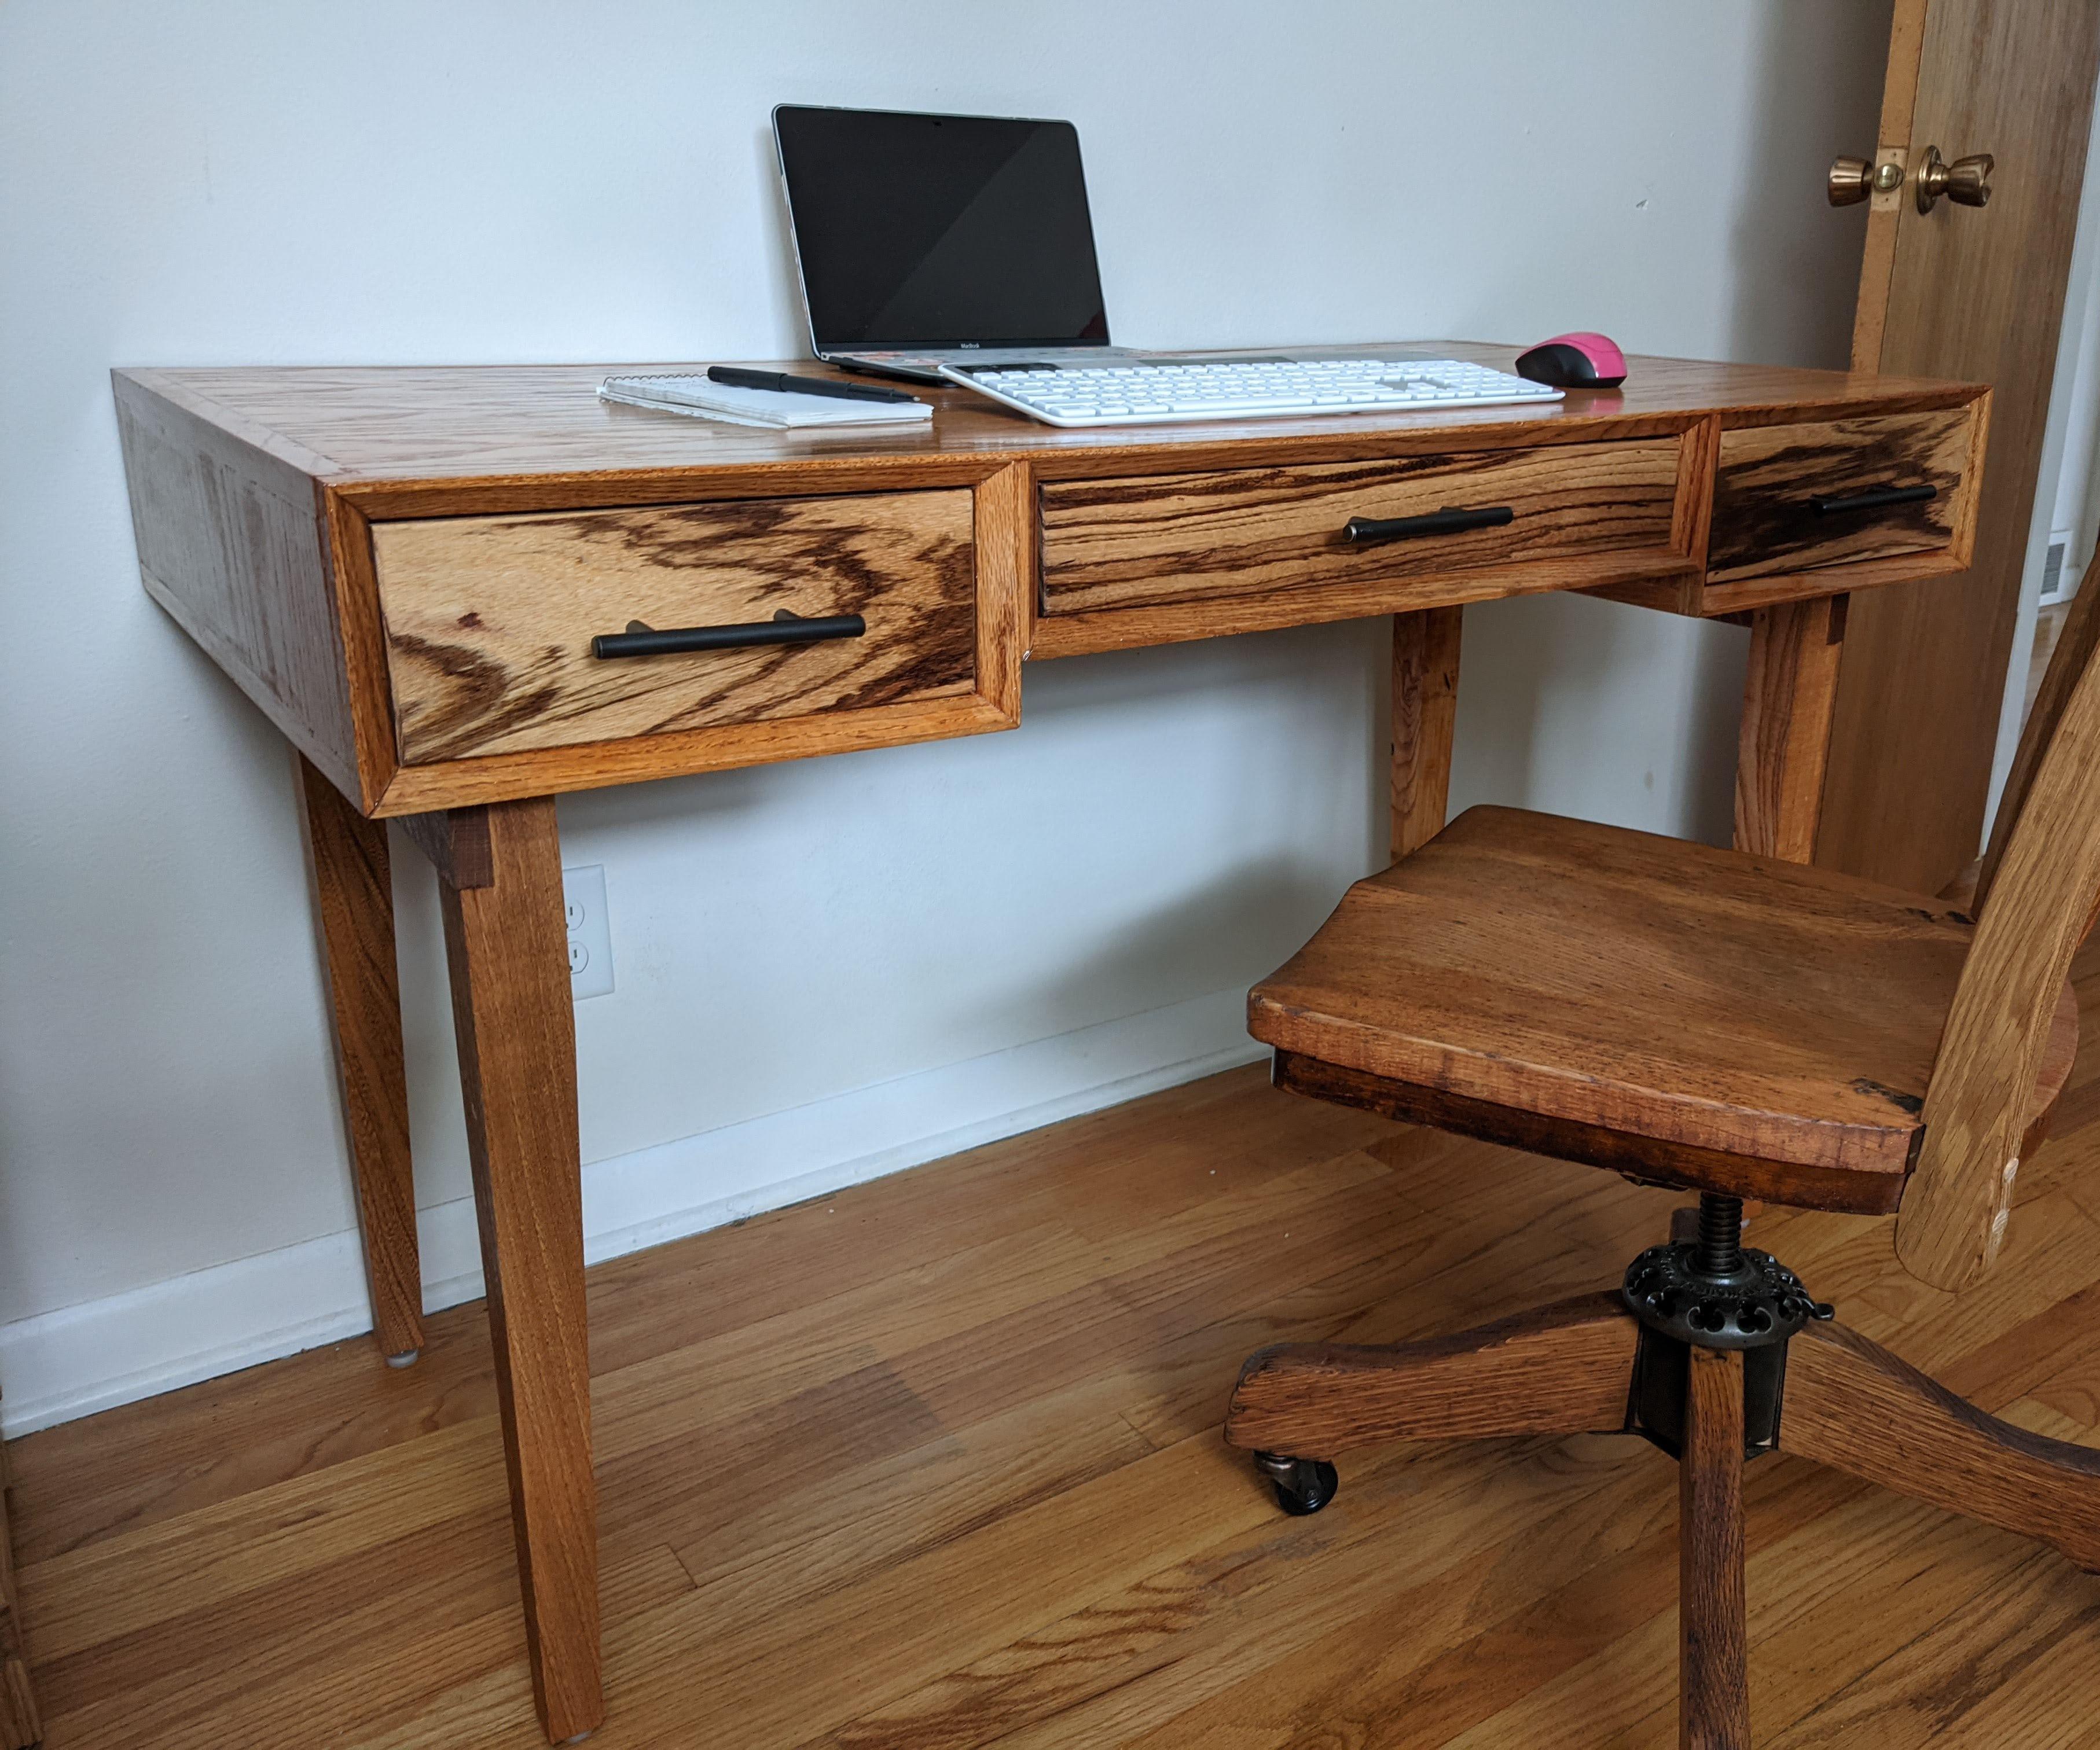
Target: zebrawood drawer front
(1792, 498)
(489, 620)
(1266, 532)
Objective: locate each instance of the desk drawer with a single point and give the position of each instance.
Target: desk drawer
(1795, 498)
(489, 620)
(1189, 538)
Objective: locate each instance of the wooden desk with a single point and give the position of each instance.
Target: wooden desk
(404, 569)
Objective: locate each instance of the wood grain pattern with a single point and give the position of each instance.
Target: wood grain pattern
(1125, 628)
(20, 1728)
(463, 439)
(1852, 1405)
(367, 448)
(1157, 540)
(1719, 601)
(1425, 709)
(1713, 1605)
(456, 842)
(1564, 1368)
(1974, 293)
(228, 544)
(1003, 509)
(1709, 999)
(1644, 1159)
(963, 1539)
(596, 765)
(1648, 1161)
(518, 1073)
(1788, 697)
(349, 873)
(1763, 521)
(2068, 659)
(2059, 1063)
(1956, 1212)
(489, 620)
(1885, 211)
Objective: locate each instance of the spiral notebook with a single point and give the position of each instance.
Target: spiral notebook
(698, 397)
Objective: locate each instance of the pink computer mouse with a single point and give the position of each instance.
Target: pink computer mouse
(1575, 361)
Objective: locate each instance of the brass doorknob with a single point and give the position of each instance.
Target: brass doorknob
(1852, 180)
(1967, 182)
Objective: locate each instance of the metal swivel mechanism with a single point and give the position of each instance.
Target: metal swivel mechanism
(1716, 1292)
(1712, 1292)
(1709, 1291)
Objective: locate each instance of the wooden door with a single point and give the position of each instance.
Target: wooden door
(1974, 293)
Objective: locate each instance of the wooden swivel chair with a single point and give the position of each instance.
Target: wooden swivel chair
(1745, 1027)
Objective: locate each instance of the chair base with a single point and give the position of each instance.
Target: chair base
(1572, 1368)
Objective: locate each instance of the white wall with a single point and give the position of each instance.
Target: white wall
(2068, 495)
(826, 969)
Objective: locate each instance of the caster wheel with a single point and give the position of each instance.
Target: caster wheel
(1303, 1485)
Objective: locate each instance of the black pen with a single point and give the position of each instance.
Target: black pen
(800, 386)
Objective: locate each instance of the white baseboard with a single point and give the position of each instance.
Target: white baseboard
(78, 1359)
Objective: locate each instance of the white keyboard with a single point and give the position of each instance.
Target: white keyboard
(1132, 394)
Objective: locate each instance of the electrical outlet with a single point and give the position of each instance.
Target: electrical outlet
(590, 932)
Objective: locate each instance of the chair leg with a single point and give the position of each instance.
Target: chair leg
(1564, 1369)
(1852, 1405)
(1712, 1671)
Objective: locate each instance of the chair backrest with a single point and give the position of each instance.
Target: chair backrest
(2036, 899)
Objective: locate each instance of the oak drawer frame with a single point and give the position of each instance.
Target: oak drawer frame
(1671, 572)
(1674, 581)
(1196, 542)
(389, 787)
(1717, 599)
(259, 547)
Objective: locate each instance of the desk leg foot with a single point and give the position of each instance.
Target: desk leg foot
(350, 876)
(1789, 702)
(506, 944)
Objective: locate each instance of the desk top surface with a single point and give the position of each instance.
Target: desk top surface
(347, 424)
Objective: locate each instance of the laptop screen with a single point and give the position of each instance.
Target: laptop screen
(940, 231)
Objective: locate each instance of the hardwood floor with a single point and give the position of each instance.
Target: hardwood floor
(935, 1463)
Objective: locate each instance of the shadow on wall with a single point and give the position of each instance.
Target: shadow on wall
(1554, 693)
(1814, 86)
(1533, 668)
(1234, 929)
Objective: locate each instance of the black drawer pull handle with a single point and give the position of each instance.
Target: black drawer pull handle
(784, 627)
(1875, 501)
(1444, 521)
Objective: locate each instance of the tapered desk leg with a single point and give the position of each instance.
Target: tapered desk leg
(1425, 706)
(1787, 703)
(1714, 1704)
(347, 867)
(505, 941)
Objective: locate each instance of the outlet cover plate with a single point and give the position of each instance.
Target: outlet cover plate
(590, 932)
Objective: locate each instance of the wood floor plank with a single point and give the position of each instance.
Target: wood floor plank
(1999, 1637)
(775, 1545)
(1189, 1650)
(299, 1528)
(934, 1462)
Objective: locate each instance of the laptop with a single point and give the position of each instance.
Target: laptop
(925, 240)
(959, 249)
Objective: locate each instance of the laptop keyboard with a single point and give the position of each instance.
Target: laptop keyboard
(1149, 393)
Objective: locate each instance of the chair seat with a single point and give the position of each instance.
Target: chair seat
(1698, 1016)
